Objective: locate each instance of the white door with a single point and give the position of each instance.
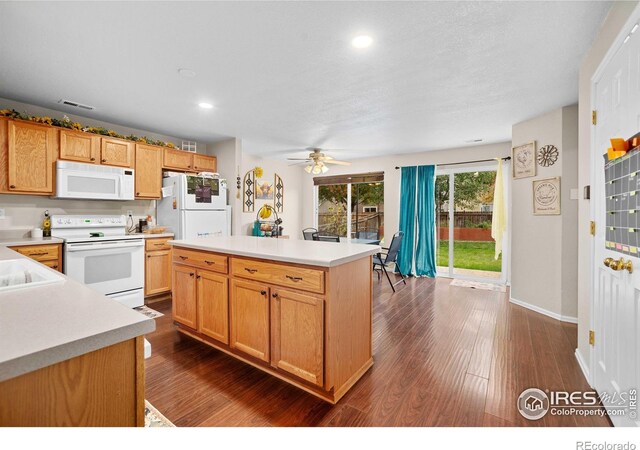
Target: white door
(197, 224)
(616, 300)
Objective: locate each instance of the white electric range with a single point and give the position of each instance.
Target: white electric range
(99, 253)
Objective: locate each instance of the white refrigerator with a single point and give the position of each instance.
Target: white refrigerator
(194, 206)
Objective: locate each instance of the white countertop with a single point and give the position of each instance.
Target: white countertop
(153, 235)
(42, 326)
(30, 241)
(312, 253)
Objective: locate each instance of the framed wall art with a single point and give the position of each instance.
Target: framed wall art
(523, 159)
(546, 196)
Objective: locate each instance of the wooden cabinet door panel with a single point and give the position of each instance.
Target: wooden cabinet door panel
(148, 171)
(54, 264)
(249, 318)
(203, 163)
(78, 146)
(177, 159)
(184, 304)
(31, 154)
(157, 272)
(115, 152)
(213, 305)
(297, 322)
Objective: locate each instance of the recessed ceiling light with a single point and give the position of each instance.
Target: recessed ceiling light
(205, 105)
(362, 41)
(187, 73)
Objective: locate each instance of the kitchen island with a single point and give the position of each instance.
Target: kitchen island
(69, 355)
(298, 310)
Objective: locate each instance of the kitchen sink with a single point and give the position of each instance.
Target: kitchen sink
(25, 273)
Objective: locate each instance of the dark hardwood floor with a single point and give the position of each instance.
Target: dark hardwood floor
(444, 356)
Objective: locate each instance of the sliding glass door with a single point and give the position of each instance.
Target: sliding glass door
(351, 209)
(464, 211)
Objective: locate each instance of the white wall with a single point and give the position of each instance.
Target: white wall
(611, 28)
(544, 248)
(23, 212)
(387, 165)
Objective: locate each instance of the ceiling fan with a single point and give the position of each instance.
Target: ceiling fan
(317, 162)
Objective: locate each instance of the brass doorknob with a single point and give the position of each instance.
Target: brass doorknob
(619, 264)
(607, 262)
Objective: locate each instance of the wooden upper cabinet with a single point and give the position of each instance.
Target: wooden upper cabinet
(148, 171)
(79, 146)
(31, 153)
(116, 152)
(249, 318)
(177, 159)
(184, 304)
(213, 305)
(203, 163)
(297, 334)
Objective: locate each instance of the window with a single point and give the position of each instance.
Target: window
(351, 205)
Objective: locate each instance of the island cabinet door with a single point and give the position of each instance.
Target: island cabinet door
(249, 318)
(184, 302)
(213, 305)
(297, 323)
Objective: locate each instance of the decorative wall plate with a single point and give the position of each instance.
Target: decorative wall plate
(547, 155)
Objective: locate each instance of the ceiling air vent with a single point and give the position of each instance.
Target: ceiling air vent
(76, 104)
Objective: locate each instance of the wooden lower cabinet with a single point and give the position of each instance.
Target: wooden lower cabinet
(213, 305)
(311, 329)
(297, 334)
(48, 254)
(103, 388)
(250, 318)
(157, 272)
(184, 304)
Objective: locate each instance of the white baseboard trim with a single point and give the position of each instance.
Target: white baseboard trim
(546, 312)
(583, 366)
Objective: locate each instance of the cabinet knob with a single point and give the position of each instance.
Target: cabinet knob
(13, 186)
(198, 277)
(263, 292)
(137, 193)
(92, 159)
(191, 274)
(188, 167)
(274, 295)
(148, 256)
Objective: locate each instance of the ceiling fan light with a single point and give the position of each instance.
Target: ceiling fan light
(308, 169)
(317, 169)
(325, 169)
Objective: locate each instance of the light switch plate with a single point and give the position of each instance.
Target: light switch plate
(1, 213)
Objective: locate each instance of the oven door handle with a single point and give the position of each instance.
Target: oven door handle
(97, 246)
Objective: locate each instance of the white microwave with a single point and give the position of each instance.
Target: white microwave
(91, 181)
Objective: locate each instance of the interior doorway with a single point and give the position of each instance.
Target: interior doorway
(464, 211)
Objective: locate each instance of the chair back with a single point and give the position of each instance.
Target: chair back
(325, 237)
(392, 254)
(308, 233)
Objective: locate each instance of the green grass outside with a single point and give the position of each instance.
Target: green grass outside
(470, 255)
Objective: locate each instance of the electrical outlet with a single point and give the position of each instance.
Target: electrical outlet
(1, 213)
(129, 213)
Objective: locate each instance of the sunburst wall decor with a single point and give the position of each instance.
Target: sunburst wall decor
(547, 155)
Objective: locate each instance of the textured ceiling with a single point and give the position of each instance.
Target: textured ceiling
(284, 75)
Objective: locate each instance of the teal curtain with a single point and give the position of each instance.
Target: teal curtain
(407, 218)
(426, 246)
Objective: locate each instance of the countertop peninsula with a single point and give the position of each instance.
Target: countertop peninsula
(312, 253)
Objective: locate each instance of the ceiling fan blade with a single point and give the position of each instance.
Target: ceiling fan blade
(340, 163)
(298, 159)
(297, 163)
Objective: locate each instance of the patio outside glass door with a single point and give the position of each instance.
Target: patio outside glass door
(464, 211)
